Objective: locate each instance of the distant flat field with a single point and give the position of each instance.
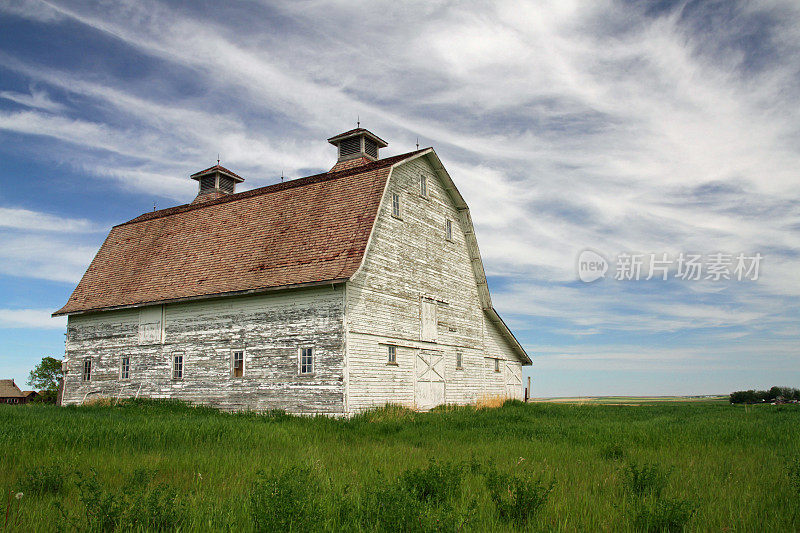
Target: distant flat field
(630, 400)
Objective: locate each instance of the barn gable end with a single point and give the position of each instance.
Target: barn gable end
(410, 271)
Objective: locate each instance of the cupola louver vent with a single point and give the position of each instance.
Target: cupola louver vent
(351, 146)
(357, 143)
(215, 181)
(371, 148)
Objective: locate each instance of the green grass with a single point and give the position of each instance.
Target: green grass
(668, 466)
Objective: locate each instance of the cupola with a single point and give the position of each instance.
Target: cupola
(215, 182)
(355, 147)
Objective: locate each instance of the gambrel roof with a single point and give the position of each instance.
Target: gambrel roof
(304, 232)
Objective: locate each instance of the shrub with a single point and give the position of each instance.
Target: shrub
(794, 475)
(102, 510)
(517, 499)
(664, 515)
(288, 500)
(435, 483)
(136, 506)
(390, 507)
(613, 452)
(49, 479)
(645, 479)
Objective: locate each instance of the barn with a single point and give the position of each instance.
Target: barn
(327, 294)
(10, 393)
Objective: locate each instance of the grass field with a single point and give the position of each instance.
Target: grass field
(695, 466)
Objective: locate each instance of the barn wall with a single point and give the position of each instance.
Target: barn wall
(501, 383)
(270, 328)
(409, 259)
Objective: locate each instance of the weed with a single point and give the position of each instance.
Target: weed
(645, 479)
(794, 474)
(490, 402)
(11, 517)
(286, 501)
(156, 509)
(517, 499)
(612, 452)
(390, 507)
(663, 515)
(435, 483)
(134, 507)
(45, 479)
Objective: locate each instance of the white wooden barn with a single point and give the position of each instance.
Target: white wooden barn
(328, 294)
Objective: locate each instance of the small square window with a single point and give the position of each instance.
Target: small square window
(448, 229)
(87, 370)
(237, 364)
(392, 355)
(177, 366)
(423, 185)
(125, 368)
(395, 205)
(459, 360)
(497, 365)
(306, 360)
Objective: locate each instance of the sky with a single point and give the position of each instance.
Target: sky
(624, 128)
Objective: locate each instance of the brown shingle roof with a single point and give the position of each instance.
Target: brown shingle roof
(8, 389)
(312, 229)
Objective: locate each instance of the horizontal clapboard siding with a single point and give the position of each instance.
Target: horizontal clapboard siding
(269, 328)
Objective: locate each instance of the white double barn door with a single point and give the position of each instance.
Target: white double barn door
(430, 379)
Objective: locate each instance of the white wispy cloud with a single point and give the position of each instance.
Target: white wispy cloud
(37, 99)
(25, 219)
(31, 318)
(51, 257)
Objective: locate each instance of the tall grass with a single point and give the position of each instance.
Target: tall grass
(164, 466)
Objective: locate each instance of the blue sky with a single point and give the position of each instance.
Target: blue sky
(638, 127)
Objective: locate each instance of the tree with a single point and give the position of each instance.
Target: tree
(46, 378)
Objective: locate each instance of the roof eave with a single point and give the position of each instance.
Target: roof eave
(234, 177)
(246, 292)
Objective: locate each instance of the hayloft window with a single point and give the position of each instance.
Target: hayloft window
(395, 205)
(87, 370)
(392, 355)
(306, 360)
(423, 185)
(177, 366)
(237, 363)
(125, 368)
(448, 229)
(497, 365)
(459, 361)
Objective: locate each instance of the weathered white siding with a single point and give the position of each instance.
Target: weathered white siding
(270, 328)
(410, 265)
(508, 381)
